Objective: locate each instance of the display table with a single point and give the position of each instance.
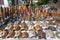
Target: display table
(35, 22)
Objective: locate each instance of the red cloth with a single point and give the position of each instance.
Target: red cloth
(25, 9)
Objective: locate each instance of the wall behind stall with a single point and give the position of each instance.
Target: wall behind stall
(1, 2)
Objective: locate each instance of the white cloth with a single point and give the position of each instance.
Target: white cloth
(6, 3)
(49, 33)
(31, 33)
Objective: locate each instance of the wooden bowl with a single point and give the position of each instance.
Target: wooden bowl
(38, 27)
(16, 27)
(24, 35)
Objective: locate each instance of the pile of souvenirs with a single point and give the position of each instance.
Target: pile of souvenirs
(29, 13)
(36, 29)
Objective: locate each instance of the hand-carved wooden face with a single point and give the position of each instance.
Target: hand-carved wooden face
(24, 35)
(38, 28)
